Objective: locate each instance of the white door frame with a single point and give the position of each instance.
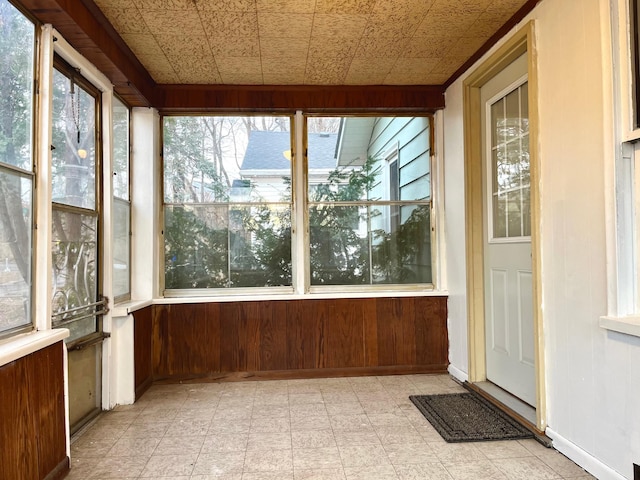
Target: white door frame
(522, 41)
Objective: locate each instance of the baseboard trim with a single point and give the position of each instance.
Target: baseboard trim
(303, 374)
(587, 461)
(459, 374)
(60, 471)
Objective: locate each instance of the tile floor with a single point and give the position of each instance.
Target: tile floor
(362, 428)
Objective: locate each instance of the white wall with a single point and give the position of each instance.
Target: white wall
(592, 375)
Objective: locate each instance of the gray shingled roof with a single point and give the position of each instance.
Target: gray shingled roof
(265, 151)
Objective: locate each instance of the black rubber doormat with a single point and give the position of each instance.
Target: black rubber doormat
(467, 417)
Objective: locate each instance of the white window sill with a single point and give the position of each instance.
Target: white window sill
(293, 296)
(125, 308)
(28, 343)
(629, 324)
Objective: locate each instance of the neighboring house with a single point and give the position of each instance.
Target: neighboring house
(267, 161)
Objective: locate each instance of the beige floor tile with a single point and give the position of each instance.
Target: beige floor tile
(383, 407)
(483, 470)
(319, 474)
(270, 425)
(307, 409)
(219, 463)
(457, 452)
(411, 453)
(318, 422)
(396, 419)
(363, 456)
(349, 423)
(82, 467)
(268, 461)
(503, 449)
(169, 465)
(339, 396)
(316, 458)
(390, 435)
(221, 476)
(128, 446)
(347, 408)
(287, 475)
(225, 442)
(90, 447)
(384, 472)
(423, 471)
(147, 430)
(269, 441)
(180, 445)
(118, 467)
(528, 468)
(229, 426)
(272, 399)
(368, 437)
(188, 427)
(270, 410)
(305, 398)
(312, 439)
(561, 464)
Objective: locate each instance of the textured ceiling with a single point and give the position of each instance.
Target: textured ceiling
(306, 42)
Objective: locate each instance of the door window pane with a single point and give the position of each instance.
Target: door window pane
(121, 247)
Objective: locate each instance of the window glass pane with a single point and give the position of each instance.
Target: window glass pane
(227, 159)
(74, 253)
(15, 250)
(196, 246)
(121, 247)
(260, 246)
(73, 158)
(500, 215)
(402, 255)
(514, 214)
(120, 150)
(339, 245)
(227, 202)
(17, 40)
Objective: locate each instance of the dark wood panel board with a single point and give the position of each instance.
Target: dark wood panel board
(256, 337)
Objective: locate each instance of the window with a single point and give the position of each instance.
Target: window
(75, 159)
(17, 53)
(121, 202)
(230, 191)
(370, 218)
(227, 202)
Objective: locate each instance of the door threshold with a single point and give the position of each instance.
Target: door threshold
(511, 405)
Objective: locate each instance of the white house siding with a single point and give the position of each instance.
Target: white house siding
(592, 375)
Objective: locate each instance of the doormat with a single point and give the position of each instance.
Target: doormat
(467, 417)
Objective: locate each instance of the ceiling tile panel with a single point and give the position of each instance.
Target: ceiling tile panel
(284, 77)
(369, 71)
(335, 25)
(372, 47)
(448, 24)
(235, 46)
(408, 71)
(286, 6)
(415, 8)
(226, 5)
(163, 4)
(190, 55)
(143, 45)
(159, 68)
(283, 47)
(171, 22)
(340, 49)
(393, 25)
(231, 24)
(326, 71)
(464, 47)
(345, 6)
(103, 4)
(126, 20)
(431, 46)
(285, 24)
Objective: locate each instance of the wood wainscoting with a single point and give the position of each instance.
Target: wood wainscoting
(32, 416)
(291, 338)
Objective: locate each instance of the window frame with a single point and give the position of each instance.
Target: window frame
(301, 277)
(31, 174)
(116, 98)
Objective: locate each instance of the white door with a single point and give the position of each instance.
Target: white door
(509, 331)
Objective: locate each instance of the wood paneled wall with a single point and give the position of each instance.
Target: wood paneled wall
(298, 338)
(32, 417)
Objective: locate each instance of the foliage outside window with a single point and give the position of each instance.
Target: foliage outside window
(121, 202)
(227, 202)
(75, 215)
(17, 46)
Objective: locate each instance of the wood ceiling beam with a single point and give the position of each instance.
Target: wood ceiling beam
(310, 98)
(83, 25)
